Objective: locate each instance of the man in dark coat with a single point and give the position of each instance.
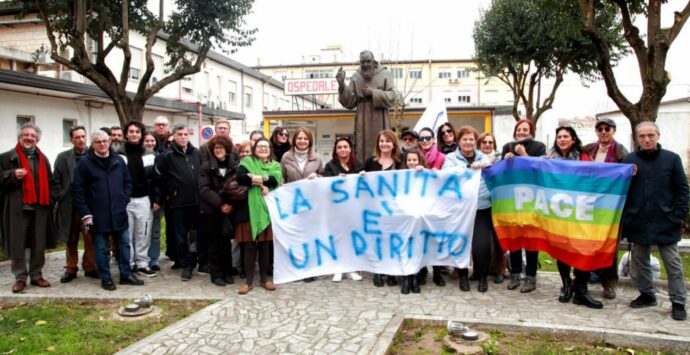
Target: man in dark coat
(177, 172)
(25, 206)
(100, 189)
(372, 92)
(655, 208)
(67, 220)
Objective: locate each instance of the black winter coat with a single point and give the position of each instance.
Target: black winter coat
(657, 199)
(211, 182)
(532, 147)
(177, 175)
(102, 191)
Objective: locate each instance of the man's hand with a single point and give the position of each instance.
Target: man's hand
(340, 77)
(19, 173)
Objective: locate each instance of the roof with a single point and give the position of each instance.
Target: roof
(663, 103)
(79, 89)
(384, 62)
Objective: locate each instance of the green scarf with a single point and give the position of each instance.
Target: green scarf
(259, 217)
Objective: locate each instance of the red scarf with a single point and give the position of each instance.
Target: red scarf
(28, 185)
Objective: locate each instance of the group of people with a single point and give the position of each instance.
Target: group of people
(114, 192)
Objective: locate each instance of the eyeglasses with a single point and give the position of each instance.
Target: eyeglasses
(446, 131)
(488, 142)
(101, 142)
(161, 124)
(425, 138)
(262, 146)
(602, 129)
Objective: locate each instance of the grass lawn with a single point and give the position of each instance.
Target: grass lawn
(549, 264)
(81, 327)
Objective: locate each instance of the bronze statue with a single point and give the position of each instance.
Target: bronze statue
(372, 92)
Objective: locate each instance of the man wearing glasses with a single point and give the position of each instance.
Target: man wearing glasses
(101, 190)
(161, 131)
(607, 150)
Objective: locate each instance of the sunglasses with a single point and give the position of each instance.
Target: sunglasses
(602, 129)
(283, 134)
(425, 138)
(488, 142)
(446, 131)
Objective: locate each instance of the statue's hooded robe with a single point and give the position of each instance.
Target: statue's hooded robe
(372, 112)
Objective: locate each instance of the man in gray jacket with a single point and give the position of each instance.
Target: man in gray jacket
(67, 221)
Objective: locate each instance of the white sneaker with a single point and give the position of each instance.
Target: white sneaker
(337, 277)
(355, 276)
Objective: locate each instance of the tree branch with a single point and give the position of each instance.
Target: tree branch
(124, 75)
(678, 22)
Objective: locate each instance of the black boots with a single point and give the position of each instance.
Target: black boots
(566, 291)
(464, 283)
(438, 279)
(378, 280)
(483, 284)
(582, 296)
(405, 288)
(409, 283)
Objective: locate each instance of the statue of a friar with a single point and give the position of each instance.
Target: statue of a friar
(372, 92)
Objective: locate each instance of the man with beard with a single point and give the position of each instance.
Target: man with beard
(117, 138)
(26, 182)
(372, 92)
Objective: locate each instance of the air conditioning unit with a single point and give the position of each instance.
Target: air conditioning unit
(48, 73)
(72, 76)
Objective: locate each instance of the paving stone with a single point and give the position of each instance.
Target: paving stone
(346, 318)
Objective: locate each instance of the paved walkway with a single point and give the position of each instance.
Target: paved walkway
(351, 317)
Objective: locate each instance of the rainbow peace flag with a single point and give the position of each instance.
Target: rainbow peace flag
(569, 209)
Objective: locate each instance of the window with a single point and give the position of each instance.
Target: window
(67, 125)
(397, 73)
(415, 73)
(444, 73)
(232, 92)
(464, 99)
(248, 97)
(135, 63)
(463, 73)
(318, 74)
(21, 120)
(447, 100)
(416, 100)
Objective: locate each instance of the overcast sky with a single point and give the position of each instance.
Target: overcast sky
(439, 29)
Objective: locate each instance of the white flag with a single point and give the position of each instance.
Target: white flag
(434, 116)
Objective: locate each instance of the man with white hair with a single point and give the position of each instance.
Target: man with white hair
(101, 189)
(161, 129)
(25, 207)
(654, 211)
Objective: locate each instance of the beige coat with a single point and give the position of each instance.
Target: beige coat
(290, 167)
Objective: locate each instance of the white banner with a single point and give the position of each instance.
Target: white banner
(390, 222)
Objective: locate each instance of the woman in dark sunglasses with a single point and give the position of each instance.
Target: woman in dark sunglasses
(427, 145)
(280, 142)
(445, 138)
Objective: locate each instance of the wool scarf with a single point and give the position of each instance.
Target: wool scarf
(259, 218)
(610, 153)
(28, 184)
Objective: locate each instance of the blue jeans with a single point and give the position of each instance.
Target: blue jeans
(100, 242)
(181, 221)
(155, 247)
